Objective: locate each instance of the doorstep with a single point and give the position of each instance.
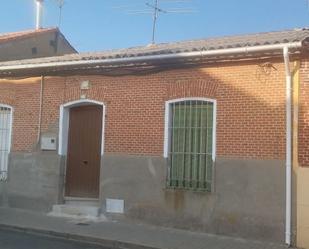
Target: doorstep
(77, 207)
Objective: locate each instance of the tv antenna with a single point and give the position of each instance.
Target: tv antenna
(155, 10)
(60, 4)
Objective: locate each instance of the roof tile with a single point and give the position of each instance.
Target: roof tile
(248, 40)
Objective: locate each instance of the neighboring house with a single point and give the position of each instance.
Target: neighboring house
(33, 44)
(190, 134)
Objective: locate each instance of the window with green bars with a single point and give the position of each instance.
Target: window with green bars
(190, 156)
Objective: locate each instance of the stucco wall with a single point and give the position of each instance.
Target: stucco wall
(248, 200)
(303, 207)
(302, 161)
(50, 43)
(35, 181)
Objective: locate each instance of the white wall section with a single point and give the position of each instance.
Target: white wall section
(6, 115)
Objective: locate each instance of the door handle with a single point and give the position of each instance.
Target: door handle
(85, 162)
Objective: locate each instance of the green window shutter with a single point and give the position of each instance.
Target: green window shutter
(190, 155)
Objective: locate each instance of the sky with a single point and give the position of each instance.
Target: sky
(94, 25)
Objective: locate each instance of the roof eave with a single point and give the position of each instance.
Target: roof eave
(160, 58)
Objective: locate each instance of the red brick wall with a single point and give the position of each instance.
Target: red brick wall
(250, 108)
(303, 137)
(23, 96)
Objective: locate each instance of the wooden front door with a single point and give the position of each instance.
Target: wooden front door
(84, 152)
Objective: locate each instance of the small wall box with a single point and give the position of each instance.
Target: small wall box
(114, 206)
(48, 143)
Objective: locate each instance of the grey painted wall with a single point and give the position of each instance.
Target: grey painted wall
(248, 200)
(34, 181)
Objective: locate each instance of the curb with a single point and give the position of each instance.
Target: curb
(110, 244)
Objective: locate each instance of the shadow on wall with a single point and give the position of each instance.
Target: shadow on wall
(248, 200)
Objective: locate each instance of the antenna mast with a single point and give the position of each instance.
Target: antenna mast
(60, 5)
(154, 9)
(155, 17)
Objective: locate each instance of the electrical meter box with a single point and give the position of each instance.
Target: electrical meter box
(48, 143)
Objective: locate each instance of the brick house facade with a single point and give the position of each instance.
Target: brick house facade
(247, 197)
(142, 134)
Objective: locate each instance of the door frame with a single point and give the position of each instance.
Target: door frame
(63, 138)
(11, 124)
(64, 120)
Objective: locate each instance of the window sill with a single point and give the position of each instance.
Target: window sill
(189, 190)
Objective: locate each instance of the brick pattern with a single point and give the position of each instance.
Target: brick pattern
(303, 133)
(23, 96)
(250, 107)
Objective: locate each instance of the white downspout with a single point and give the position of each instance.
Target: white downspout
(40, 110)
(288, 205)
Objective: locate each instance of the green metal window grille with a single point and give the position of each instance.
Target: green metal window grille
(191, 145)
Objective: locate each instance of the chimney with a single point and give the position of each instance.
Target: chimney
(39, 4)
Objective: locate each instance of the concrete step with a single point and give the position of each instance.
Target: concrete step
(75, 201)
(67, 210)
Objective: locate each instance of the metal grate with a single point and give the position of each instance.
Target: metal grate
(5, 140)
(191, 145)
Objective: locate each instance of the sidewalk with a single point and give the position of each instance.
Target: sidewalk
(122, 235)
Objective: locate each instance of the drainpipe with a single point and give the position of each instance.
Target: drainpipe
(288, 204)
(40, 109)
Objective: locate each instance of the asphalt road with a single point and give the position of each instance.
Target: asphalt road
(19, 240)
